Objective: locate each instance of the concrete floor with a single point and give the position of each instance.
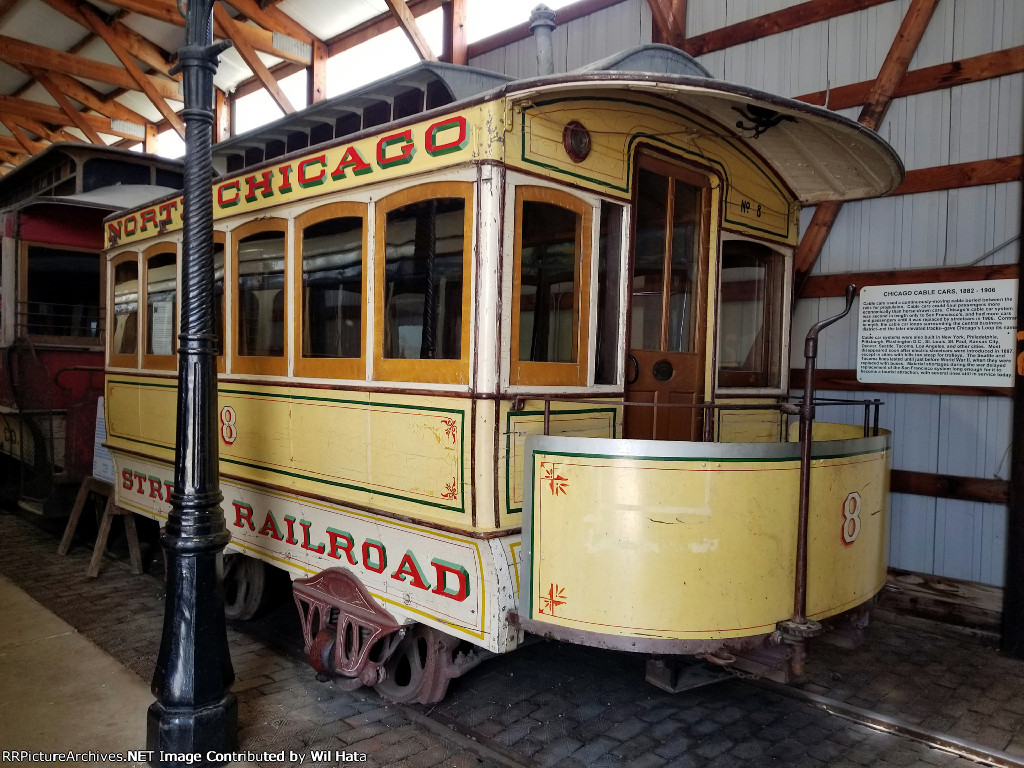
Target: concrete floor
(83, 685)
(58, 690)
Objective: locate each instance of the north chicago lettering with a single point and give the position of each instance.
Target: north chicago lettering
(449, 579)
(312, 174)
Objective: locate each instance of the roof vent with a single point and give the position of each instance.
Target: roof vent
(542, 21)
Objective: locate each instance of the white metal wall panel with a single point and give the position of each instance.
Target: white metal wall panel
(970, 541)
(578, 42)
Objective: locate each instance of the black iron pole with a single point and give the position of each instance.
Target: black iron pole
(195, 712)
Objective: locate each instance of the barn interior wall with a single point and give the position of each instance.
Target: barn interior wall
(935, 432)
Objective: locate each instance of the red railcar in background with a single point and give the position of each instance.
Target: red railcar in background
(51, 326)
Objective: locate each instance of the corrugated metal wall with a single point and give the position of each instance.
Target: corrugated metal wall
(934, 433)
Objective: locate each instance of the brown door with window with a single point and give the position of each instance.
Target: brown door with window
(668, 301)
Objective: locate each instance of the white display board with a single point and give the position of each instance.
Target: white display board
(102, 461)
(953, 334)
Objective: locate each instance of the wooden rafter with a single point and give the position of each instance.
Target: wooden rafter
(973, 70)
(834, 285)
(350, 39)
(143, 81)
(252, 59)
(132, 41)
(893, 70)
(76, 117)
(104, 105)
(407, 22)
(670, 21)
(787, 19)
(273, 19)
(6, 6)
(24, 142)
(12, 158)
(44, 131)
(18, 52)
(12, 105)
(167, 11)
(975, 173)
(11, 145)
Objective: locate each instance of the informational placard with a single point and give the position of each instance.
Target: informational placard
(102, 461)
(952, 334)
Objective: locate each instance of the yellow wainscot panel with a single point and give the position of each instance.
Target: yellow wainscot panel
(660, 546)
(848, 531)
(419, 456)
(564, 419)
(141, 412)
(285, 436)
(668, 546)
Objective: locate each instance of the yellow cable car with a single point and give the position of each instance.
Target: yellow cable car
(503, 356)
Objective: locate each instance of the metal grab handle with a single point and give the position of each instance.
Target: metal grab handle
(636, 370)
(799, 623)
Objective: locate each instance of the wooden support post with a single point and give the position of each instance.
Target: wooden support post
(454, 44)
(317, 76)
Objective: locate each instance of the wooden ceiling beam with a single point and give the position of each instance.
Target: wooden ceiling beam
(350, 39)
(1009, 61)
(274, 20)
(10, 145)
(892, 72)
(133, 42)
(6, 6)
(669, 21)
(18, 52)
(564, 15)
(90, 99)
(12, 158)
(44, 131)
(407, 22)
(141, 79)
(260, 39)
(787, 19)
(252, 59)
(12, 105)
(76, 117)
(27, 144)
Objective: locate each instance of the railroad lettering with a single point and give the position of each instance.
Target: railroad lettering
(289, 522)
(243, 512)
(305, 525)
(270, 528)
(340, 541)
(451, 580)
(380, 560)
(409, 567)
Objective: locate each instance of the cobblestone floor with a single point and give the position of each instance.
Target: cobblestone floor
(550, 703)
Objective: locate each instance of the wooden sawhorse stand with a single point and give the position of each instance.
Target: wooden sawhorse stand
(110, 511)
